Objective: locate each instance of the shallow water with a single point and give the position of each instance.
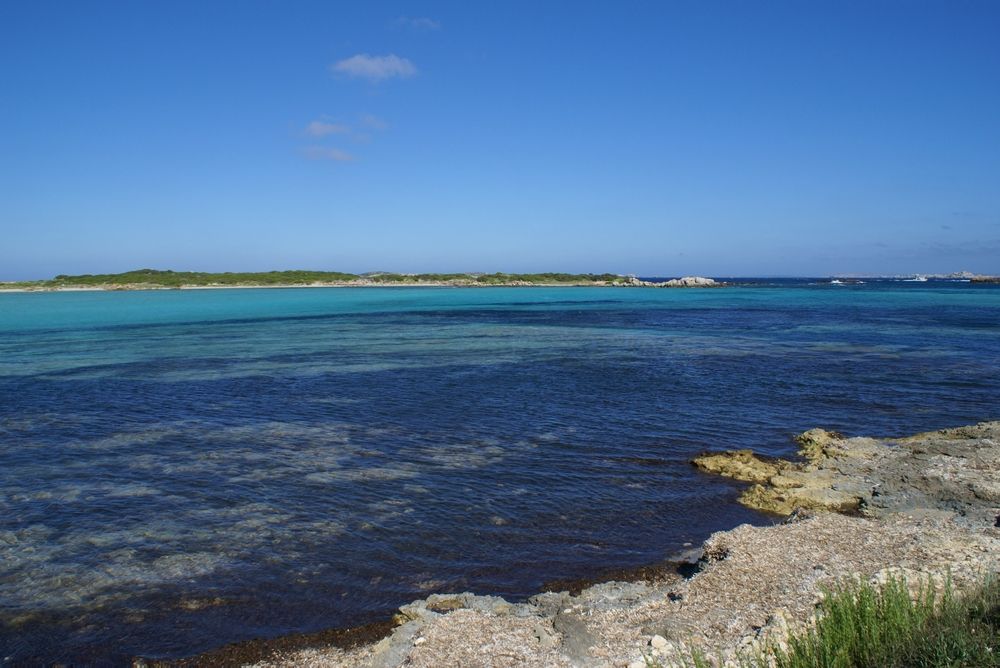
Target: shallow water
(182, 469)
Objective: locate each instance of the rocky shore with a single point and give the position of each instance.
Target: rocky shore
(924, 507)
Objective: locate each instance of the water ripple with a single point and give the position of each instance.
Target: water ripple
(183, 470)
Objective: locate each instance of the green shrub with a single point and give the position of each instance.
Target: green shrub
(865, 627)
(862, 626)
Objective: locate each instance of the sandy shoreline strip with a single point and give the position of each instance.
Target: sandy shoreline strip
(159, 288)
(625, 282)
(924, 507)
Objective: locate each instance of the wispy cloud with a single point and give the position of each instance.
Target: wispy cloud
(372, 122)
(327, 153)
(358, 132)
(324, 128)
(374, 68)
(419, 24)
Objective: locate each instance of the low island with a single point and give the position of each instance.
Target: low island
(155, 279)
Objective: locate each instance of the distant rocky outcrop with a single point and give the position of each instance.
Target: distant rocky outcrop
(985, 279)
(689, 282)
(683, 282)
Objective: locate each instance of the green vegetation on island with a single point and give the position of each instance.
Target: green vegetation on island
(548, 278)
(173, 279)
(154, 278)
(498, 278)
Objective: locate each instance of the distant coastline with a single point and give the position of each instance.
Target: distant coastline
(153, 279)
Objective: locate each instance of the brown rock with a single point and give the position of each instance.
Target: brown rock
(740, 465)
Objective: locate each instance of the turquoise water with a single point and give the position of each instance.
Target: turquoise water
(181, 469)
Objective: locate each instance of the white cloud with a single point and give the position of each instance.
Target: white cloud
(324, 128)
(418, 23)
(375, 68)
(326, 153)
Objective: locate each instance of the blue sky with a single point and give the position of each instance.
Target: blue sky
(658, 138)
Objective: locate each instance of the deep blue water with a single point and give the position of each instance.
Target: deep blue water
(182, 469)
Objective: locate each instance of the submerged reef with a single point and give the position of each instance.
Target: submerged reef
(924, 509)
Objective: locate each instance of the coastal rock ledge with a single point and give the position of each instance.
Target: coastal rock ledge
(924, 507)
(951, 471)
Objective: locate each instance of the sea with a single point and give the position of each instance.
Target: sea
(184, 469)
